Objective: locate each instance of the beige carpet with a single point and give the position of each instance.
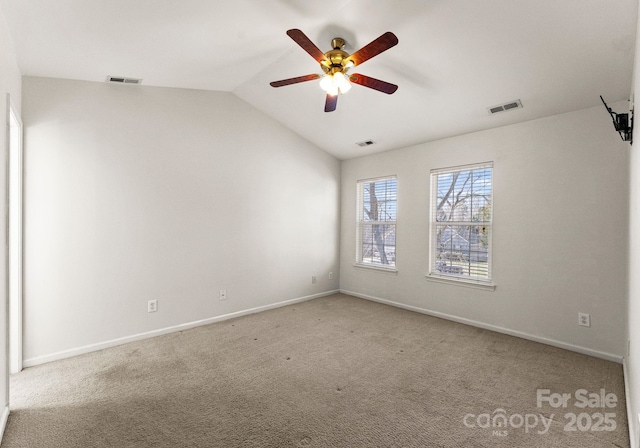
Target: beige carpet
(333, 372)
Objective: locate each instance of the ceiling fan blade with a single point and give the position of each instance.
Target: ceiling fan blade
(373, 83)
(301, 39)
(286, 82)
(374, 48)
(331, 103)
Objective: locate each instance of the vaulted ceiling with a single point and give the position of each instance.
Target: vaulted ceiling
(455, 58)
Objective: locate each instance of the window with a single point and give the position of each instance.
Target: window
(461, 217)
(376, 222)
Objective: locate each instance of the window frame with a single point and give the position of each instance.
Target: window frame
(360, 222)
(463, 280)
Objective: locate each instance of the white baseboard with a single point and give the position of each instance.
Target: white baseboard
(149, 334)
(3, 421)
(633, 438)
(473, 323)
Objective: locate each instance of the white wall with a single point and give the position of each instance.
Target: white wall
(632, 363)
(10, 82)
(560, 230)
(135, 193)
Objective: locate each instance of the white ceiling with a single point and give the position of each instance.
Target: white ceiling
(455, 58)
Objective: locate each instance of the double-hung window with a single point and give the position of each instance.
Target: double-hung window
(461, 219)
(376, 222)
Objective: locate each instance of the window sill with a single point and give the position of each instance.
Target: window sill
(487, 286)
(373, 267)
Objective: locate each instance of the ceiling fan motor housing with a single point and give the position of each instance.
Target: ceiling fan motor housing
(336, 59)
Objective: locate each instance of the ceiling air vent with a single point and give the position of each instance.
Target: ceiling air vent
(515, 104)
(123, 80)
(366, 143)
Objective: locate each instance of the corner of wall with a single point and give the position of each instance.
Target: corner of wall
(3, 421)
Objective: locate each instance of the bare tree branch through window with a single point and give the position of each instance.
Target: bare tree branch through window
(377, 199)
(461, 222)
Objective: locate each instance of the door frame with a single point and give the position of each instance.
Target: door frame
(14, 236)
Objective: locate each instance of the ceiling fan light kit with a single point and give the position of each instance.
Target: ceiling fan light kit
(336, 63)
(338, 83)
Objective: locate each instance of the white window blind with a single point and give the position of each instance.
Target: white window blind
(376, 222)
(461, 220)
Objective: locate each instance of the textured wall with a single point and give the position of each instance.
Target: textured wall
(633, 359)
(136, 193)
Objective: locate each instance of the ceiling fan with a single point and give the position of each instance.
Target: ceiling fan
(336, 63)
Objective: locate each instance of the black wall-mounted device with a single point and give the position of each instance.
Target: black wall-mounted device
(623, 123)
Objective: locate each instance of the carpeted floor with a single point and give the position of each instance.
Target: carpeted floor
(332, 372)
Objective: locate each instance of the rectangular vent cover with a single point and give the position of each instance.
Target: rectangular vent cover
(123, 80)
(515, 104)
(366, 143)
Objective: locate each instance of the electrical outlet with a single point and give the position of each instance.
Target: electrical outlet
(223, 294)
(313, 279)
(152, 306)
(584, 319)
(330, 275)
